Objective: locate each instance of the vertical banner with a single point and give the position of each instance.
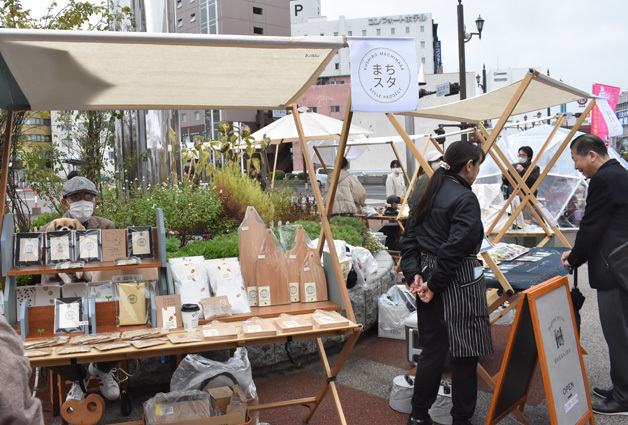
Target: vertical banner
(383, 74)
(598, 122)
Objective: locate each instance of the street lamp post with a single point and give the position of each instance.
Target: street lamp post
(463, 37)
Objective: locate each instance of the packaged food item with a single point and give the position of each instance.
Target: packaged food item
(95, 339)
(216, 307)
(256, 326)
(73, 349)
(132, 305)
(138, 334)
(290, 323)
(42, 352)
(184, 338)
(329, 319)
(107, 346)
(217, 330)
(46, 342)
(145, 343)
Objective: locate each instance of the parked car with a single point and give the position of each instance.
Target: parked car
(321, 176)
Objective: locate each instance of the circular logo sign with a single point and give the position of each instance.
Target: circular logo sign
(310, 290)
(293, 290)
(253, 294)
(29, 249)
(384, 75)
(132, 298)
(264, 293)
(70, 315)
(60, 247)
(141, 242)
(90, 246)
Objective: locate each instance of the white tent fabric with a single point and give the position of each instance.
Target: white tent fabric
(79, 70)
(543, 92)
(315, 127)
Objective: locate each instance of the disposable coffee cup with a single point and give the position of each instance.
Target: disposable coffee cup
(190, 314)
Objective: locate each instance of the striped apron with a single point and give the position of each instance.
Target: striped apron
(466, 310)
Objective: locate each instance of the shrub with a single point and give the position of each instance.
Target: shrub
(301, 175)
(44, 218)
(222, 246)
(290, 176)
(280, 174)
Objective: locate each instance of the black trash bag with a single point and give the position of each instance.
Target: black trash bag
(577, 299)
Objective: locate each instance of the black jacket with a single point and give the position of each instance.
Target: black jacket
(605, 223)
(452, 231)
(532, 178)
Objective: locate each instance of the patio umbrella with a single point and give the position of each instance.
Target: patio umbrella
(577, 299)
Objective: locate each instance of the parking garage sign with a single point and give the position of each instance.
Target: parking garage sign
(383, 74)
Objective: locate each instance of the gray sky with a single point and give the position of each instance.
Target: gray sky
(580, 41)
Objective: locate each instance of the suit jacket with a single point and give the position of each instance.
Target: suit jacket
(604, 225)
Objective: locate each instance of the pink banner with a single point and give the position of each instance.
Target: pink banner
(598, 125)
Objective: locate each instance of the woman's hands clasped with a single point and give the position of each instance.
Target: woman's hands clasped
(420, 289)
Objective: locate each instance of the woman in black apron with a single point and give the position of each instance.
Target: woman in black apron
(439, 258)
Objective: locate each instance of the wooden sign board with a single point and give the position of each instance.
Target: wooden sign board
(544, 330)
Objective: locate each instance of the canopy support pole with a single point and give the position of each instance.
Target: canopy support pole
(272, 182)
(325, 229)
(320, 158)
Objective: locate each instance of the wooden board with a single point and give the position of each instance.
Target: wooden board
(271, 274)
(295, 259)
(312, 282)
(250, 237)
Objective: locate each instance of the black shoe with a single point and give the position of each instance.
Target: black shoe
(607, 407)
(413, 421)
(605, 393)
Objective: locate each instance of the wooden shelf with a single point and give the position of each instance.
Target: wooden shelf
(89, 267)
(276, 310)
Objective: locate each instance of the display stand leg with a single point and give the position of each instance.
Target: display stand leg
(330, 376)
(54, 393)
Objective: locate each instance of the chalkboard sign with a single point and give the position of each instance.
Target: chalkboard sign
(544, 330)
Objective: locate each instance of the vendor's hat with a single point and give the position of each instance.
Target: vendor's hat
(393, 199)
(76, 185)
(433, 156)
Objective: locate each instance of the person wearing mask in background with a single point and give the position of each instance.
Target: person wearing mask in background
(395, 186)
(420, 183)
(439, 257)
(602, 229)
(17, 405)
(525, 160)
(350, 194)
(79, 196)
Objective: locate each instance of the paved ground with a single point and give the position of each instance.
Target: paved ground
(367, 375)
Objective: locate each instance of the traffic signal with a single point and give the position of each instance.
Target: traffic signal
(423, 92)
(454, 88)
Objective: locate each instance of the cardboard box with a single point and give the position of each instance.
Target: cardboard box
(236, 418)
(181, 412)
(221, 397)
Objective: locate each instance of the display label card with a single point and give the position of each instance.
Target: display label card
(310, 291)
(141, 243)
(253, 328)
(294, 292)
(113, 244)
(251, 291)
(88, 247)
(264, 296)
(29, 249)
(60, 248)
(69, 315)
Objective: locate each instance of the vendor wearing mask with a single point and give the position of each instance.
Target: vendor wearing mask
(524, 161)
(395, 186)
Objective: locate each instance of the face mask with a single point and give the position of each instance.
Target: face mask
(82, 210)
(396, 170)
(523, 160)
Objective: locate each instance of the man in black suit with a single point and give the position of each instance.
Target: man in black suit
(603, 228)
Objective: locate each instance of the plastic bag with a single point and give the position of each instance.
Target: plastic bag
(365, 261)
(177, 406)
(394, 306)
(195, 372)
(133, 302)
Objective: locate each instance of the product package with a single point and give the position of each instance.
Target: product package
(145, 343)
(88, 245)
(74, 349)
(95, 339)
(216, 307)
(140, 239)
(101, 291)
(271, 273)
(38, 353)
(46, 342)
(46, 295)
(190, 279)
(127, 261)
(184, 338)
(296, 243)
(256, 326)
(140, 334)
(59, 247)
(108, 346)
(69, 315)
(178, 407)
(74, 290)
(225, 278)
(329, 319)
(24, 293)
(113, 244)
(217, 330)
(290, 323)
(133, 305)
(29, 248)
(169, 311)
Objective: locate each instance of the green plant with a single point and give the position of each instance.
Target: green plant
(301, 175)
(290, 176)
(222, 246)
(173, 243)
(280, 174)
(44, 218)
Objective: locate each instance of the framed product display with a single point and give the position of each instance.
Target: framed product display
(132, 303)
(88, 245)
(29, 249)
(68, 315)
(140, 241)
(59, 247)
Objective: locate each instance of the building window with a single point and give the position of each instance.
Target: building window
(379, 31)
(258, 30)
(363, 33)
(257, 10)
(423, 60)
(392, 31)
(422, 28)
(349, 33)
(197, 115)
(184, 117)
(337, 66)
(193, 17)
(179, 23)
(322, 34)
(334, 108)
(423, 44)
(313, 108)
(407, 30)
(179, 4)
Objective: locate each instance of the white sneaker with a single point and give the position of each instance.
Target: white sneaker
(108, 384)
(76, 393)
